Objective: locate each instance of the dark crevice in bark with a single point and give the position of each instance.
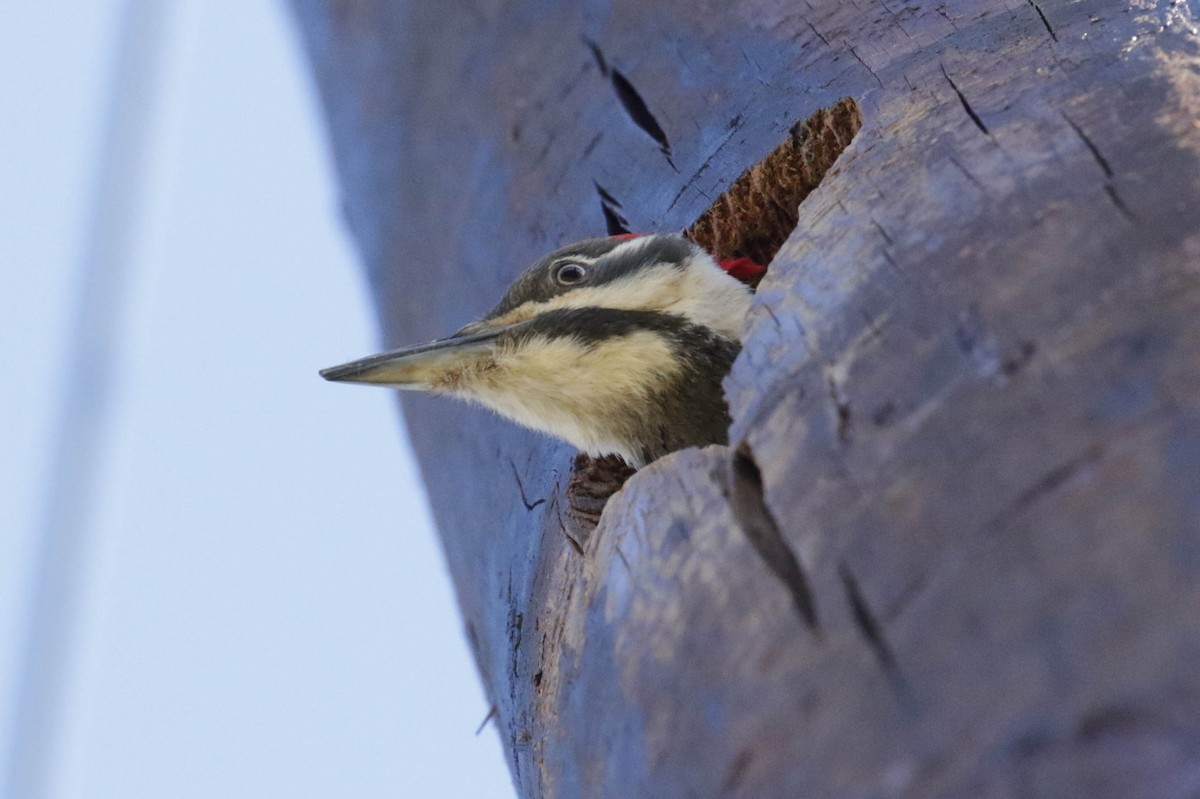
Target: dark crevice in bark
(606, 196)
(1120, 205)
(1110, 189)
(614, 221)
(598, 54)
(750, 511)
(631, 100)
(962, 98)
(640, 113)
(1047, 484)
(865, 65)
(868, 627)
(1045, 22)
(562, 525)
(1091, 146)
(883, 232)
(842, 409)
(521, 488)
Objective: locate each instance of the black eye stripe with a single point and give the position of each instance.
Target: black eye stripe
(671, 250)
(540, 284)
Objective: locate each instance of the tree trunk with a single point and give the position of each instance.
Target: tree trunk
(956, 549)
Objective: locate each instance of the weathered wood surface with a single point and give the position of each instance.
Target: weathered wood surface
(971, 383)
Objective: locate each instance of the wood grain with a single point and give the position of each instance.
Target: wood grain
(970, 386)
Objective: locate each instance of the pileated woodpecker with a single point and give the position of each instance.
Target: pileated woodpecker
(617, 345)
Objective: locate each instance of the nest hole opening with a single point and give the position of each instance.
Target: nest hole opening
(592, 482)
(751, 219)
(760, 210)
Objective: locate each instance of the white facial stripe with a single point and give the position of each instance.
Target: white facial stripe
(574, 259)
(648, 289)
(588, 261)
(701, 292)
(629, 246)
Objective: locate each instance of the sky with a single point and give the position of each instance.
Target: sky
(260, 606)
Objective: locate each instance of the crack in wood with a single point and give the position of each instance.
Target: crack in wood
(1110, 188)
(598, 54)
(521, 488)
(701, 169)
(859, 59)
(606, 196)
(749, 509)
(970, 176)
(962, 98)
(842, 409)
(1047, 484)
(882, 231)
(1045, 21)
(868, 627)
(614, 221)
(1111, 191)
(631, 100)
(817, 33)
(639, 112)
(591, 145)
(562, 527)
(1091, 145)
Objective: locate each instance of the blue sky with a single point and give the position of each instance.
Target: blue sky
(263, 609)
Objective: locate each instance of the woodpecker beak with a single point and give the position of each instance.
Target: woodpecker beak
(425, 366)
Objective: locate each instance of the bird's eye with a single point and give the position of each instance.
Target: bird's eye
(569, 274)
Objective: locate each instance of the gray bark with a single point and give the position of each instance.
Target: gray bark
(968, 405)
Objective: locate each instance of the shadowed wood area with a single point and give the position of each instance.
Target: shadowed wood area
(954, 548)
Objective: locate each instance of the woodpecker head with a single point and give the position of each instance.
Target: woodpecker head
(617, 345)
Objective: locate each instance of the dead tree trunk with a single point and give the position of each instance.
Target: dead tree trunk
(968, 408)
